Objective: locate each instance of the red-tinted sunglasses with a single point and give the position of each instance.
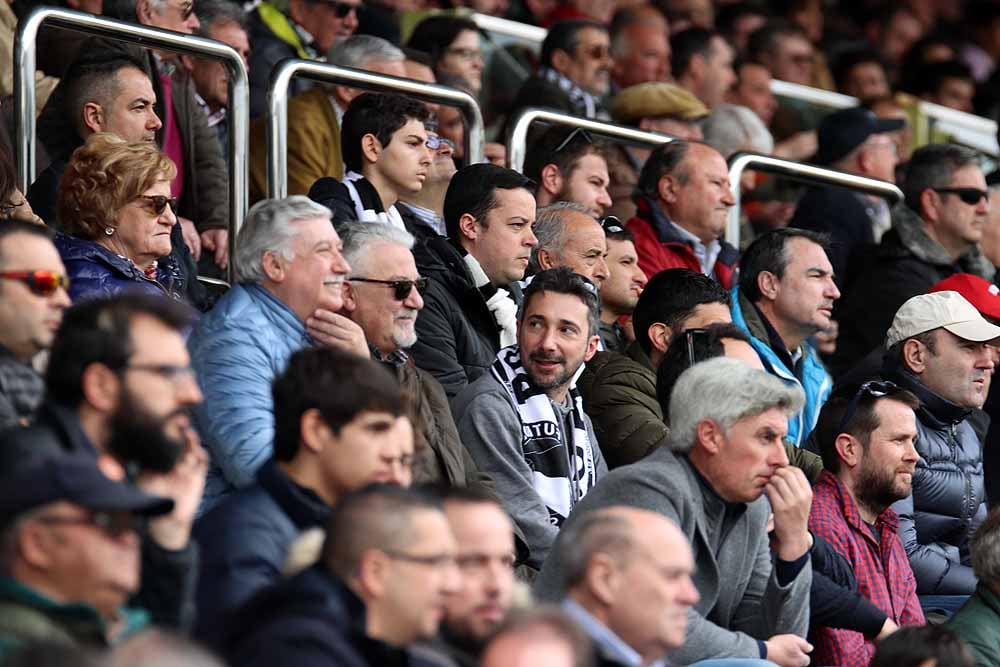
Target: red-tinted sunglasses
(42, 283)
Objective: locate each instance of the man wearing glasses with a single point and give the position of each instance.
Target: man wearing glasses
(868, 444)
(940, 348)
(33, 297)
(936, 234)
(71, 561)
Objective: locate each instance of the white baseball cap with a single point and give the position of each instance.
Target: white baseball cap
(948, 310)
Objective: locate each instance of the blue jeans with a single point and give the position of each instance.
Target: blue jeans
(945, 605)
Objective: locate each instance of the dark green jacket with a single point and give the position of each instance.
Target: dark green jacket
(27, 616)
(619, 395)
(978, 624)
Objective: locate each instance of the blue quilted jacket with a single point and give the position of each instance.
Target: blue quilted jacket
(237, 349)
(95, 272)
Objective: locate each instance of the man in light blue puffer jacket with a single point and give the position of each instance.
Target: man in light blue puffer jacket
(290, 274)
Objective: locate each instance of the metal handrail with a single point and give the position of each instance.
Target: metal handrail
(521, 31)
(805, 173)
(239, 91)
(517, 143)
(277, 105)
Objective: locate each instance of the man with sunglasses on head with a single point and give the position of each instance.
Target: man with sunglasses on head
(934, 235)
(33, 296)
(569, 165)
(383, 296)
(867, 439)
(940, 348)
(621, 290)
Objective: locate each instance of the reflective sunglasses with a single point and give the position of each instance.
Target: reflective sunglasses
(41, 283)
(578, 132)
(340, 9)
(873, 388)
(436, 143)
(612, 224)
(402, 287)
(970, 196)
(158, 203)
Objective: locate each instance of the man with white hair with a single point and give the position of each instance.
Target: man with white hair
(726, 451)
(383, 297)
(290, 275)
(568, 235)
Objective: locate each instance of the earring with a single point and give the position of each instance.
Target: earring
(109, 230)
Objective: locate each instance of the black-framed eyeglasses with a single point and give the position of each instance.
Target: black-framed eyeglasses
(612, 224)
(41, 283)
(431, 560)
(970, 196)
(690, 335)
(402, 288)
(873, 388)
(171, 372)
(340, 9)
(578, 132)
(159, 203)
(114, 524)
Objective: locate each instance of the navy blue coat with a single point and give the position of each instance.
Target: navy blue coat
(95, 272)
(244, 542)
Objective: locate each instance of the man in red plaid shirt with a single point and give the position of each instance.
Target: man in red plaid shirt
(867, 443)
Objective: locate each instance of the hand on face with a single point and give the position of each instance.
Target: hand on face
(333, 330)
(791, 498)
(184, 484)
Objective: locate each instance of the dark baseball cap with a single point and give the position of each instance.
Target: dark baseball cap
(843, 131)
(73, 478)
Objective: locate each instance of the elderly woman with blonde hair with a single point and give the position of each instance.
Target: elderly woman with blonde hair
(117, 212)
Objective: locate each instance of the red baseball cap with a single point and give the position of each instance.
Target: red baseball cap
(981, 293)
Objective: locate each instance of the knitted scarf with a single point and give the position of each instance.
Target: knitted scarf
(367, 203)
(578, 97)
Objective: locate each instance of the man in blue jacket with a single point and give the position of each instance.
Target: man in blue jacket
(290, 276)
(785, 296)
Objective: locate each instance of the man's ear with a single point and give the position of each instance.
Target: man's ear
(767, 285)
(371, 148)
(915, 355)
(34, 546)
(930, 202)
(273, 267)
(469, 226)
(849, 450)
(551, 180)
(545, 259)
(350, 298)
(144, 11)
(561, 60)
(93, 116)
(668, 188)
(373, 574)
(101, 387)
(314, 433)
(710, 436)
(602, 578)
(187, 62)
(592, 346)
(659, 336)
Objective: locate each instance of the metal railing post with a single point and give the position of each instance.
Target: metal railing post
(521, 31)
(517, 147)
(805, 173)
(277, 106)
(239, 91)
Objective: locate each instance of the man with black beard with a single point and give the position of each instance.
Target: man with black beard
(523, 422)
(119, 386)
(867, 441)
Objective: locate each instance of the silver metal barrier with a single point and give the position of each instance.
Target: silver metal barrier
(277, 109)
(517, 142)
(805, 173)
(520, 31)
(166, 40)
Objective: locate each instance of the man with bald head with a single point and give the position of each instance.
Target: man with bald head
(568, 235)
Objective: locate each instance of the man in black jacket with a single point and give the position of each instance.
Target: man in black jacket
(470, 307)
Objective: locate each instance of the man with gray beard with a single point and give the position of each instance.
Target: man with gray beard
(383, 297)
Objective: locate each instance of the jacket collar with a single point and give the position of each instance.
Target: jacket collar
(278, 310)
(72, 248)
(635, 352)
(935, 410)
(915, 239)
(65, 420)
(651, 211)
(302, 505)
(751, 316)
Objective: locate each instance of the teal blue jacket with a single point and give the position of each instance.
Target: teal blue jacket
(816, 381)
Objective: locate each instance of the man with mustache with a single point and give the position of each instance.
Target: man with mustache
(785, 296)
(290, 277)
(941, 349)
(867, 440)
(523, 421)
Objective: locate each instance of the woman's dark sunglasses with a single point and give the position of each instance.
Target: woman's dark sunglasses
(402, 287)
(159, 203)
(970, 196)
(41, 283)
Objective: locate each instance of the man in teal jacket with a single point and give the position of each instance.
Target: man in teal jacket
(785, 296)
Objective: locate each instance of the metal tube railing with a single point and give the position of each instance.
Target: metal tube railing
(805, 173)
(521, 31)
(277, 105)
(239, 91)
(517, 142)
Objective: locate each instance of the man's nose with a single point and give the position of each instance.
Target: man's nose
(414, 299)
(602, 271)
(154, 123)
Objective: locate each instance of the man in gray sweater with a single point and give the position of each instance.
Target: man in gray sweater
(725, 453)
(523, 422)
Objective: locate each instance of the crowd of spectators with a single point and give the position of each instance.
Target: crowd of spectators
(452, 414)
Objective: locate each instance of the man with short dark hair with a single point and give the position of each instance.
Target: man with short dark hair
(702, 62)
(619, 390)
(948, 83)
(683, 202)
(861, 74)
(32, 299)
(524, 423)
(568, 164)
(785, 296)
(935, 234)
(386, 153)
(867, 444)
(387, 570)
(621, 290)
(470, 308)
(327, 443)
(568, 235)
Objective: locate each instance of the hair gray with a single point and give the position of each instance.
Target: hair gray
(218, 12)
(731, 128)
(550, 229)
(985, 550)
(359, 50)
(725, 391)
(269, 227)
(601, 531)
(358, 237)
(933, 166)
